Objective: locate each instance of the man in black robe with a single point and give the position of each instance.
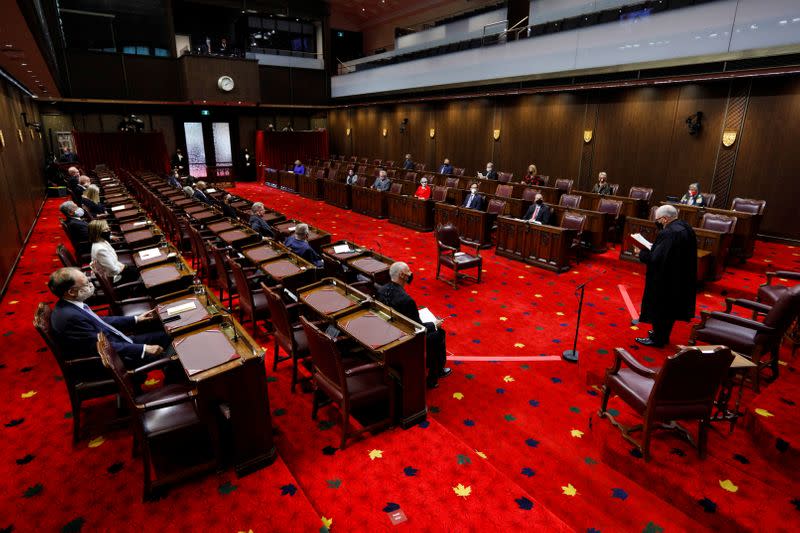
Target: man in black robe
(670, 285)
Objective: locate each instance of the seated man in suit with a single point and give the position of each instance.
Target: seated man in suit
(352, 178)
(423, 191)
(446, 167)
(382, 182)
(257, 221)
(693, 196)
(473, 200)
(227, 209)
(72, 178)
(491, 173)
(298, 243)
(174, 179)
(76, 326)
(199, 195)
(408, 164)
(77, 228)
(395, 296)
(538, 211)
(602, 186)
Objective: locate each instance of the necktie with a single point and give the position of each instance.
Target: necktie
(104, 326)
(535, 212)
(471, 197)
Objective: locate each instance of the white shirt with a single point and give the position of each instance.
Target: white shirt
(104, 257)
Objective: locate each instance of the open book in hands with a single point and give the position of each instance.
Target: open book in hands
(638, 238)
(425, 315)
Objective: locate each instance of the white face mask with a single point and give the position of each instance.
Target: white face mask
(79, 212)
(474, 191)
(85, 292)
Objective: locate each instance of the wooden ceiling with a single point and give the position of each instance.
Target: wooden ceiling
(20, 55)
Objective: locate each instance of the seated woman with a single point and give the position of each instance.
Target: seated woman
(91, 201)
(104, 256)
(423, 191)
(693, 196)
(532, 177)
(299, 168)
(602, 186)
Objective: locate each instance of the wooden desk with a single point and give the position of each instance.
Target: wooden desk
(372, 265)
(240, 384)
(368, 202)
(207, 310)
(744, 234)
(355, 250)
(539, 245)
(126, 215)
(264, 251)
(316, 237)
(597, 225)
(338, 193)
(239, 237)
(222, 226)
(288, 270)
(134, 225)
(473, 225)
(206, 216)
(311, 187)
(184, 202)
(167, 278)
(399, 342)
(410, 212)
(168, 252)
(631, 207)
(330, 298)
(142, 237)
(287, 180)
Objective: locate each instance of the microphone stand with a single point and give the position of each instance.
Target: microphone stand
(572, 355)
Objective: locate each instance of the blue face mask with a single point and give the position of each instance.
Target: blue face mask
(79, 212)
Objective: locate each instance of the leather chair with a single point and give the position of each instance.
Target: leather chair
(748, 205)
(411, 176)
(376, 162)
(361, 181)
(362, 170)
(505, 177)
(570, 200)
(449, 254)
(683, 389)
(119, 304)
(577, 222)
(451, 182)
(365, 385)
(529, 194)
(224, 279)
(504, 191)
(363, 160)
(390, 164)
(85, 377)
(391, 174)
(614, 208)
(320, 174)
(769, 294)
(720, 223)
(439, 194)
(396, 188)
(709, 198)
(747, 336)
(288, 334)
(614, 188)
(546, 179)
(564, 185)
(458, 171)
(640, 193)
(496, 207)
(252, 302)
(167, 415)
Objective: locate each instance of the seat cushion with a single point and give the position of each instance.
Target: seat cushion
(738, 338)
(769, 294)
(468, 261)
(301, 341)
(631, 387)
(165, 419)
(260, 301)
(367, 388)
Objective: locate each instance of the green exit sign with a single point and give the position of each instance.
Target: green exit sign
(205, 112)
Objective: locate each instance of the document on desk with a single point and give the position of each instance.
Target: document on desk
(342, 249)
(641, 240)
(150, 253)
(118, 207)
(140, 223)
(174, 310)
(426, 316)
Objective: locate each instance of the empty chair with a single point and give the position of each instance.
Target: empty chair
(564, 185)
(439, 194)
(376, 162)
(614, 208)
(709, 198)
(577, 222)
(505, 177)
(748, 205)
(396, 188)
(496, 207)
(451, 182)
(721, 223)
(504, 191)
(640, 193)
(458, 171)
(252, 302)
(361, 181)
(411, 176)
(684, 388)
(614, 188)
(570, 200)
(769, 294)
(449, 254)
(363, 386)
(529, 194)
(288, 334)
(419, 167)
(390, 164)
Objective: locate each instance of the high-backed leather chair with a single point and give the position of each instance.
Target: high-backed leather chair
(614, 208)
(419, 167)
(564, 185)
(252, 302)
(376, 162)
(449, 254)
(505, 177)
(570, 200)
(458, 171)
(85, 377)
(365, 385)
(752, 338)
(496, 207)
(451, 181)
(529, 194)
(749, 205)
(709, 198)
(361, 181)
(119, 304)
(363, 160)
(576, 221)
(390, 164)
(411, 176)
(439, 194)
(320, 174)
(769, 294)
(166, 416)
(288, 334)
(504, 191)
(640, 193)
(546, 179)
(391, 173)
(614, 188)
(721, 223)
(396, 188)
(684, 388)
(362, 169)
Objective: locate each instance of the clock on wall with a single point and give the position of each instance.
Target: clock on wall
(225, 83)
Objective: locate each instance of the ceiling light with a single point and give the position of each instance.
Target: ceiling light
(24, 64)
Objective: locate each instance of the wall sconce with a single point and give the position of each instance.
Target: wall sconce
(34, 125)
(384, 132)
(347, 132)
(2, 140)
(496, 135)
(19, 134)
(728, 138)
(432, 133)
(587, 136)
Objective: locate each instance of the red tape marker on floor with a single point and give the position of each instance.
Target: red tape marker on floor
(503, 358)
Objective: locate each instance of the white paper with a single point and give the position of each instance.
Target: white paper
(141, 223)
(171, 254)
(426, 316)
(459, 254)
(211, 190)
(641, 240)
(150, 253)
(181, 308)
(118, 208)
(291, 228)
(105, 179)
(341, 249)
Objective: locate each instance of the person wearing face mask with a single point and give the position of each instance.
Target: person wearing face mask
(693, 196)
(91, 201)
(104, 256)
(446, 167)
(395, 296)
(352, 178)
(532, 177)
(174, 179)
(491, 173)
(77, 228)
(408, 163)
(382, 182)
(473, 200)
(670, 284)
(423, 191)
(602, 186)
(538, 212)
(76, 326)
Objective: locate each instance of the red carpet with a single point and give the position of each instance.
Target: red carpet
(548, 458)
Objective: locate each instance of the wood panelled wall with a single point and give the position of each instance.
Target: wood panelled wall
(640, 137)
(21, 176)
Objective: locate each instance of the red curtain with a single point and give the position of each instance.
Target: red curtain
(276, 149)
(131, 151)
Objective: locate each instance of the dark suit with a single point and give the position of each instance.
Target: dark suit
(304, 250)
(473, 202)
(693, 200)
(408, 164)
(78, 231)
(398, 299)
(491, 175)
(93, 208)
(604, 188)
(173, 181)
(670, 284)
(261, 226)
(200, 195)
(181, 163)
(76, 332)
(247, 167)
(229, 211)
(446, 169)
(542, 216)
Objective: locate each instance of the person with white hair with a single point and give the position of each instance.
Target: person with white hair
(602, 186)
(693, 196)
(491, 173)
(408, 163)
(395, 296)
(298, 243)
(77, 228)
(671, 281)
(257, 222)
(382, 182)
(423, 191)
